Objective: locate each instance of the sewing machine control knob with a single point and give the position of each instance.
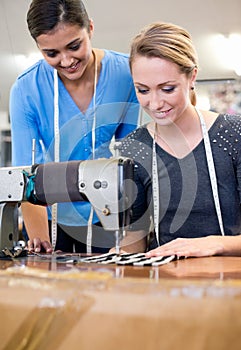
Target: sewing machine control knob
(98, 184)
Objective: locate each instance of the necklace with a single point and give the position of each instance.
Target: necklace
(57, 155)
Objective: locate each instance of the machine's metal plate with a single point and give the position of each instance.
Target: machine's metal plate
(11, 184)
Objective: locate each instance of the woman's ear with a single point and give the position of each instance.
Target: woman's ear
(91, 28)
(193, 77)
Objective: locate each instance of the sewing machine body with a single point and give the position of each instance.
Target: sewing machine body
(106, 183)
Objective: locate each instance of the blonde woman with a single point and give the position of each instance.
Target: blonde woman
(187, 162)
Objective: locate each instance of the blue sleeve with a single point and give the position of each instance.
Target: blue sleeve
(23, 128)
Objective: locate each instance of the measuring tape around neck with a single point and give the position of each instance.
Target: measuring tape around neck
(212, 175)
(155, 191)
(57, 156)
(212, 172)
(54, 211)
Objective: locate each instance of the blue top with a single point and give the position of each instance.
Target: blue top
(32, 117)
(187, 207)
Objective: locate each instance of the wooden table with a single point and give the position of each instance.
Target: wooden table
(186, 304)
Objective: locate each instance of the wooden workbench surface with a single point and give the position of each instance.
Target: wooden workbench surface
(191, 303)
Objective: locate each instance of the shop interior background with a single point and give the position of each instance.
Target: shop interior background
(215, 27)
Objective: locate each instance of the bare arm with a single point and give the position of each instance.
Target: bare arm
(200, 247)
(133, 242)
(36, 223)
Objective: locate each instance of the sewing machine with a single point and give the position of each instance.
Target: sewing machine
(105, 183)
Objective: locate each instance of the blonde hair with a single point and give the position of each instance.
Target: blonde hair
(167, 41)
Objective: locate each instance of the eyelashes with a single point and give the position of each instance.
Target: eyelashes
(53, 54)
(167, 90)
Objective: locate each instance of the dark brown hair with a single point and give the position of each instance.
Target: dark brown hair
(44, 15)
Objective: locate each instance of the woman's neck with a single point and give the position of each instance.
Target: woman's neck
(82, 89)
(181, 137)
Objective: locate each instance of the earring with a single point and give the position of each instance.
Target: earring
(192, 88)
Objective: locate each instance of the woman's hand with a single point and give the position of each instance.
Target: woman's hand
(36, 245)
(187, 247)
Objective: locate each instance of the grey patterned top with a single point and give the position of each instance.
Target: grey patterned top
(187, 207)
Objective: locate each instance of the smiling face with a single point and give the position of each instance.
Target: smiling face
(163, 92)
(67, 48)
